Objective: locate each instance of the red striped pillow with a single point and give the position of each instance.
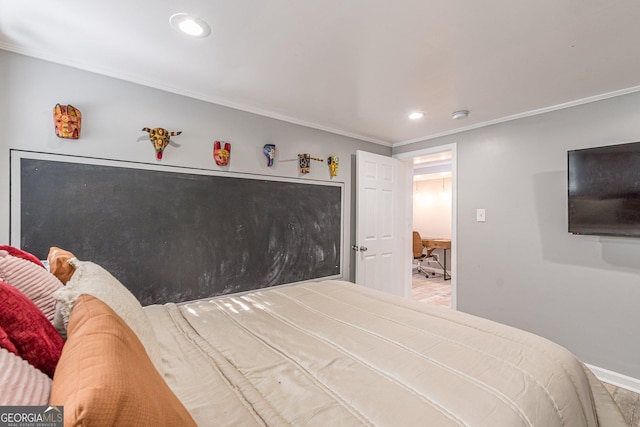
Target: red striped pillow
(20, 383)
(33, 281)
(21, 254)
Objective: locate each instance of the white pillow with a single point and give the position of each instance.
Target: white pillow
(20, 383)
(90, 278)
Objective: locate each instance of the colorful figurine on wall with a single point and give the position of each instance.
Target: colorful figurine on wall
(333, 161)
(221, 155)
(269, 151)
(160, 139)
(68, 121)
(304, 161)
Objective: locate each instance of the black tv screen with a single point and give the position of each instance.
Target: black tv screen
(604, 190)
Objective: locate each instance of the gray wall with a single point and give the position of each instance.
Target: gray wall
(521, 267)
(114, 112)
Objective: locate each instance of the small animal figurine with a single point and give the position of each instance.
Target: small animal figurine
(333, 161)
(269, 150)
(221, 155)
(160, 139)
(304, 161)
(68, 121)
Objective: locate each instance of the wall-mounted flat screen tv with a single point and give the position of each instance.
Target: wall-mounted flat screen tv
(604, 190)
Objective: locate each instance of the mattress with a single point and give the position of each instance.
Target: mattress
(335, 353)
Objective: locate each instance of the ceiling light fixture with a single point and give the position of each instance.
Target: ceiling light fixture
(460, 114)
(190, 25)
(416, 115)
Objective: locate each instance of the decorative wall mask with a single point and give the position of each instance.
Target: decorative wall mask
(333, 161)
(269, 150)
(304, 161)
(68, 121)
(160, 139)
(221, 155)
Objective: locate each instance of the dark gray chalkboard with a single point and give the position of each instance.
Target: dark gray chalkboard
(173, 236)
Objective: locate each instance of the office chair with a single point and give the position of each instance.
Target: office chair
(418, 252)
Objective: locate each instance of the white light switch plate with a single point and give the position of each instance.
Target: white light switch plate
(481, 215)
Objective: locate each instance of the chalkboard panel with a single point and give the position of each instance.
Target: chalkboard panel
(177, 236)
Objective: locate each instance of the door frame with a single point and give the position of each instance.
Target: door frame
(407, 157)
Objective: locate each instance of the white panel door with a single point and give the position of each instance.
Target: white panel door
(382, 246)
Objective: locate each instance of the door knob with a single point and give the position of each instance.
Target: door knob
(363, 248)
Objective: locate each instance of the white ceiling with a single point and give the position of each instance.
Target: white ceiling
(354, 67)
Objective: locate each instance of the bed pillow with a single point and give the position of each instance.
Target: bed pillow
(91, 279)
(20, 383)
(33, 281)
(29, 330)
(59, 266)
(105, 376)
(22, 254)
(6, 343)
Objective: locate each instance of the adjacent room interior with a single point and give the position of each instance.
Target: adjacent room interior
(432, 214)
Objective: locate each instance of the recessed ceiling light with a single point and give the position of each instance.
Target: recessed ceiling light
(416, 115)
(190, 25)
(461, 114)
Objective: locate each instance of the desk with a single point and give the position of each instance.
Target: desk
(443, 244)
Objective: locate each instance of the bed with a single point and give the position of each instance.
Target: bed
(311, 354)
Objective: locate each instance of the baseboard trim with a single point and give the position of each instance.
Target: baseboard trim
(616, 379)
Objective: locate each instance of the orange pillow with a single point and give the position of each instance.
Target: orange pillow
(105, 377)
(58, 264)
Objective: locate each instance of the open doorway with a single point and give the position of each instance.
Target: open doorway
(433, 196)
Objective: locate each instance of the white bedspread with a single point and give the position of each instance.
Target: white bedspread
(336, 354)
